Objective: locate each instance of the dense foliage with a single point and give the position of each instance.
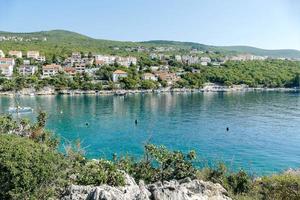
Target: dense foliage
(271, 73)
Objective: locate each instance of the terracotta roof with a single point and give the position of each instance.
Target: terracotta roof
(119, 72)
(6, 59)
(69, 69)
(51, 66)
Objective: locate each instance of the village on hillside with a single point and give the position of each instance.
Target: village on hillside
(156, 70)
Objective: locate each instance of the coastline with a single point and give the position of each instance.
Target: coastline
(120, 92)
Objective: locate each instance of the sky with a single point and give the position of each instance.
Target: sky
(269, 24)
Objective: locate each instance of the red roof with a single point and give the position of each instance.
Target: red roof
(6, 59)
(119, 72)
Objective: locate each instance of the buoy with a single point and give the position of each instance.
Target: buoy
(86, 123)
(227, 129)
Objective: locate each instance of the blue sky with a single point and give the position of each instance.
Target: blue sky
(271, 24)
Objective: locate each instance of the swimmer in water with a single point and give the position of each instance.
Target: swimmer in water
(227, 129)
(136, 122)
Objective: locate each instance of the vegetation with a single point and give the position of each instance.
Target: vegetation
(273, 73)
(31, 167)
(63, 43)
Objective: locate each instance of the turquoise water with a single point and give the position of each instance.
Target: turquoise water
(263, 136)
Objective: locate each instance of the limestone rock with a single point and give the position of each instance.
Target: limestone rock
(186, 189)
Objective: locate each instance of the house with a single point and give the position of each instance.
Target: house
(17, 54)
(107, 60)
(149, 76)
(50, 70)
(33, 54)
(99, 62)
(26, 62)
(70, 71)
(178, 58)
(126, 61)
(170, 78)
(6, 70)
(41, 58)
(154, 68)
(205, 59)
(91, 71)
(80, 68)
(7, 66)
(119, 74)
(190, 59)
(27, 70)
(76, 55)
(2, 55)
(9, 61)
(110, 60)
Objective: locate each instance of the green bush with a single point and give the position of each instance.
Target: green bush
(29, 169)
(239, 182)
(100, 172)
(159, 164)
(284, 186)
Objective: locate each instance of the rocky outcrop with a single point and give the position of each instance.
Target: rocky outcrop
(186, 189)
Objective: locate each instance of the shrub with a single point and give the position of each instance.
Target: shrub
(159, 164)
(29, 169)
(239, 182)
(100, 172)
(284, 186)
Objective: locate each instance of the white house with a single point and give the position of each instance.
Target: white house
(7, 66)
(26, 62)
(126, 61)
(149, 76)
(205, 59)
(2, 55)
(109, 60)
(27, 70)
(178, 58)
(17, 54)
(80, 68)
(41, 58)
(119, 74)
(50, 70)
(9, 61)
(33, 54)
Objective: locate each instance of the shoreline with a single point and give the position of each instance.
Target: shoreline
(52, 91)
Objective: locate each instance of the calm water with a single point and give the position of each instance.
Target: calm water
(264, 133)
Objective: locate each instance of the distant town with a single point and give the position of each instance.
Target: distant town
(160, 68)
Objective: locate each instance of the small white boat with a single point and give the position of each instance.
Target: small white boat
(20, 109)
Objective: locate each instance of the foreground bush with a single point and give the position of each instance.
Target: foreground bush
(159, 164)
(284, 186)
(29, 169)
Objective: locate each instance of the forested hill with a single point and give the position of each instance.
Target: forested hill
(63, 42)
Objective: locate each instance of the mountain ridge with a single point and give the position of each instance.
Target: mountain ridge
(70, 38)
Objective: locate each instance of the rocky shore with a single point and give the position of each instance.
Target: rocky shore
(52, 91)
(186, 189)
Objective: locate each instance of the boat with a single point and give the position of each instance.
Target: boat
(20, 109)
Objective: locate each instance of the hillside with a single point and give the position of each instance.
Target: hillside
(64, 42)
